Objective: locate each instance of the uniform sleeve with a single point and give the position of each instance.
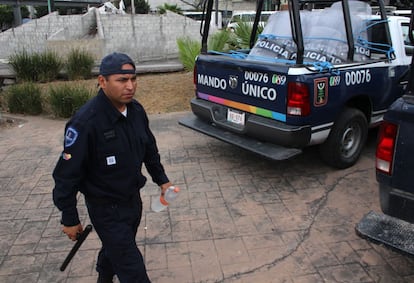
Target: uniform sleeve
(69, 172)
(152, 158)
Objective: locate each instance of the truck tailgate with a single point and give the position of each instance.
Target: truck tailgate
(254, 87)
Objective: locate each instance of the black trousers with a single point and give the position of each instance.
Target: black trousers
(116, 225)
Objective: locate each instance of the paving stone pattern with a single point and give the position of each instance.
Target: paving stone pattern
(238, 218)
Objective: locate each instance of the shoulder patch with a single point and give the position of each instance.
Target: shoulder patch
(70, 136)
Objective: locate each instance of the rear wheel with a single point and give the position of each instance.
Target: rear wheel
(346, 139)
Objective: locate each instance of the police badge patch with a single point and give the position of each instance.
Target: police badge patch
(70, 136)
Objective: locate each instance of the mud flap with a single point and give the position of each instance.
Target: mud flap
(393, 233)
(267, 150)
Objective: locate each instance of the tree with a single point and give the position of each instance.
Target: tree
(142, 7)
(197, 4)
(7, 16)
(41, 11)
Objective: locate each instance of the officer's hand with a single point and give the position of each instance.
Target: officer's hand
(72, 231)
(165, 186)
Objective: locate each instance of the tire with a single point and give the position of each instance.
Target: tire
(344, 144)
(384, 197)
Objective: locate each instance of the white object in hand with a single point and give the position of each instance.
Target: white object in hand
(161, 202)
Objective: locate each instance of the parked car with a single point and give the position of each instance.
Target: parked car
(248, 17)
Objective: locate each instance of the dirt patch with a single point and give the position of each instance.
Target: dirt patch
(158, 93)
(163, 93)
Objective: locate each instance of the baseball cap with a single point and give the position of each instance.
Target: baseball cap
(112, 64)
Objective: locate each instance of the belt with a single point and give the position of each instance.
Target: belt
(110, 201)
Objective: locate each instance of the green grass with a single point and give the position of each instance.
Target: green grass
(36, 67)
(25, 98)
(66, 99)
(79, 65)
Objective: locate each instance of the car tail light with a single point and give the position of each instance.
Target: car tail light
(298, 103)
(385, 147)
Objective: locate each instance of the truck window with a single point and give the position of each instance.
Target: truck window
(377, 36)
(409, 46)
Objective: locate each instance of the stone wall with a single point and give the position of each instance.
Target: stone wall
(143, 37)
(33, 35)
(146, 37)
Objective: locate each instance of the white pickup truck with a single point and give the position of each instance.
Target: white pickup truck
(313, 77)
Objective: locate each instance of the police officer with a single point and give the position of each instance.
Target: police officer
(105, 144)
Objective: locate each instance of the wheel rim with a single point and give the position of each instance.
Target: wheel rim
(351, 139)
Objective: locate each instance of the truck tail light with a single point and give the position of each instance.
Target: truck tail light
(298, 103)
(385, 147)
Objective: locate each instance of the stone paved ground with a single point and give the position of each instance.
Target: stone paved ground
(238, 219)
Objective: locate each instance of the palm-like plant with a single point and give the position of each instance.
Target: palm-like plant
(221, 41)
(168, 7)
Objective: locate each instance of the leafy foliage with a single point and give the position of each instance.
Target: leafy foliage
(241, 37)
(7, 17)
(49, 66)
(66, 99)
(188, 50)
(35, 67)
(168, 7)
(79, 65)
(142, 7)
(221, 41)
(25, 98)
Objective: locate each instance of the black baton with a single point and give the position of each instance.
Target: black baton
(79, 240)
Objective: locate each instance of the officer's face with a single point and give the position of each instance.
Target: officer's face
(119, 88)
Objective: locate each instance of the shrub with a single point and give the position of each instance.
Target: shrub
(218, 41)
(169, 7)
(25, 98)
(188, 50)
(79, 65)
(35, 67)
(65, 99)
(242, 33)
(142, 7)
(22, 66)
(49, 66)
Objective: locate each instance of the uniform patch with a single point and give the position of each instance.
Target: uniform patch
(110, 160)
(66, 156)
(70, 136)
(108, 135)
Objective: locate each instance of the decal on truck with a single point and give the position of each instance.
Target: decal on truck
(244, 107)
(212, 81)
(279, 79)
(334, 80)
(357, 77)
(320, 91)
(264, 92)
(249, 89)
(256, 77)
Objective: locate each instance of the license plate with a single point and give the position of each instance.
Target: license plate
(235, 117)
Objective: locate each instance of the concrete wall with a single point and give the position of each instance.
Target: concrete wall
(143, 37)
(146, 37)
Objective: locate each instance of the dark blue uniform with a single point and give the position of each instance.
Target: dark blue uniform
(102, 158)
